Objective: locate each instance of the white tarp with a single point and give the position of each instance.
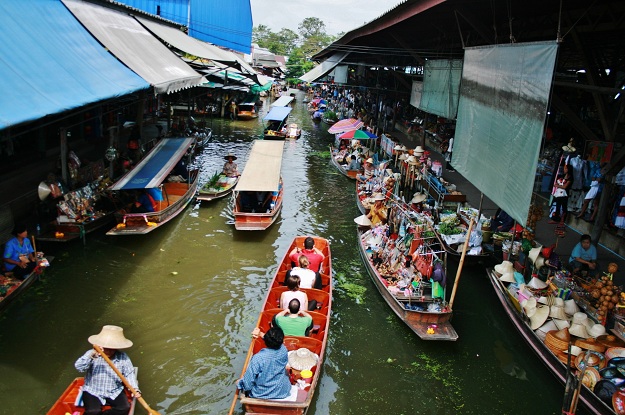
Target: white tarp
(324, 67)
(262, 170)
(415, 93)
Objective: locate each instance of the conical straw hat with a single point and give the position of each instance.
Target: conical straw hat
(579, 330)
(561, 324)
(507, 277)
(43, 190)
(362, 220)
(557, 312)
(533, 254)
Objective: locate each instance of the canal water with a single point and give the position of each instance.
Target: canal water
(188, 296)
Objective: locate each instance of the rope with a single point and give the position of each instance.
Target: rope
(580, 18)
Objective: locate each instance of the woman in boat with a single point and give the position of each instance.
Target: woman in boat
(377, 213)
(266, 375)
(292, 283)
(230, 167)
(102, 385)
(19, 255)
(308, 278)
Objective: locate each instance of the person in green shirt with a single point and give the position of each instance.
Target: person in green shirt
(293, 321)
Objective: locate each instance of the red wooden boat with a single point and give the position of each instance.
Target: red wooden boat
(67, 401)
(315, 342)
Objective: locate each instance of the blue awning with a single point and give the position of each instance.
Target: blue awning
(156, 165)
(277, 114)
(50, 63)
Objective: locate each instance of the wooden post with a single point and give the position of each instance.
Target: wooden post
(64, 151)
(459, 272)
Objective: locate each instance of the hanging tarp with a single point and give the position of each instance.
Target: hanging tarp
(441, 83)
(324, 67)
(283, 101)
(77, 69)
(339, 74)
(415, 93)
(501, 115)
(156, 165)
(132, 44)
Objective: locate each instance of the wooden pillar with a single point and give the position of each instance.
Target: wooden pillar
(64, 150)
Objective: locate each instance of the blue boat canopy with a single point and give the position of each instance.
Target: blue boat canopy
(51, 64)
(278, 114)
(156, 165)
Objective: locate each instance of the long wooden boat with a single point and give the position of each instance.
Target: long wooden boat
(222, 188)
(362, 197)
(70, 231)
(152, 172)
(67, 401)
(258, 194)
(293, 132)
(347, 173)
(513, 309)
(315, 342)
(247, 111)
(13, 287)
(276, 123)
(412, 309)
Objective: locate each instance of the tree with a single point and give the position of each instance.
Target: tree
(288, 40)
(281, 43)
(260, 33)
(311, 26)
(297, 65)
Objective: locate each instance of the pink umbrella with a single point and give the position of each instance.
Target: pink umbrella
(347, 124)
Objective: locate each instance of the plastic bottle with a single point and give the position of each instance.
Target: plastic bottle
(38, 229)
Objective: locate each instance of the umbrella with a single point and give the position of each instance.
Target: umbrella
(358, 134)
(347, 124)
(319, 101)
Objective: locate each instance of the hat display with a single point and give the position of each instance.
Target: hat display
(537, 284)
(362, 220)
(230, 155)
(507, 277)
(505, 266)
(570, 307)
(302, 359)
(609, 340)
(596, 330)
(533, 254)
(110, 337)
(418, 198)
(379, 196)
(370, 160)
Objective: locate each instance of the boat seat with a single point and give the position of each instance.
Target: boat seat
(319, 322)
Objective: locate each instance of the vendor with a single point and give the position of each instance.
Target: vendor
(377, 213)
(501, 222)
(19, 255)
(230, 167)
(584, 256)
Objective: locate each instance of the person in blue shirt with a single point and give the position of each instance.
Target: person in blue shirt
(584, 256)
(266, 374)
(502, 222)
(19, 255)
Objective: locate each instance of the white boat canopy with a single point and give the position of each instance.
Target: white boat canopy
(262, 170)
(283, 101)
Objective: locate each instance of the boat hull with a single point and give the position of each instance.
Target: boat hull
(251, 221)
(347, 173)
(207, 196)
(73, 231)
(418, 321)
(66, 402)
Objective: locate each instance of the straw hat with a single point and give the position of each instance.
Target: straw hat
(397, 148)
(404, 148)
(43, 190)
(419, 150)
(507, 277)
(379, 196)
(546, 328)
(591, 377)
(302, 359)
(569, 147)
(403, 157)
(613, 352)
(596, 330)
(411, 160)
(533, 254)
(418, 198)
(110, 337)
(362, 220)
(370, 160)
(590, 344)
(540, 262)
(609, 340)
(575, 350)
(537, 284)
(505, 266)
(537, 315)
(230, 155)
(557, 312)
(595, 359)
(549, 300)
(558, 339)
(578, 330)
(561, 324)
(570, 307)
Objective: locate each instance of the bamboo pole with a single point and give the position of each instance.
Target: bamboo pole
(459, 272)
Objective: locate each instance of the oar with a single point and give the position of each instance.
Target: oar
(459, 272)
(125, 381)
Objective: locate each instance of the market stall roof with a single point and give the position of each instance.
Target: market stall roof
(283, 101)
(277, 113)
(262, 170)
(324, 67)
(136, 47)
(156, 165)
(78, 71)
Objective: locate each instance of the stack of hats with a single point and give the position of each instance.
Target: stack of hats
(537, 314)
(505, 271)
(558, 341)
(579, 325)
(556, 312)
(542, 331)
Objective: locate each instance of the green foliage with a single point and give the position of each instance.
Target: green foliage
(212, 181)
(352, 290)
(448, 229)
(330, 115)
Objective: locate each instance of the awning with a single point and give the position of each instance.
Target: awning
(132, 44)
(73, 68)
(324, 67)
(278, 113)
(262, 170)
(156, 165)
(283, 101)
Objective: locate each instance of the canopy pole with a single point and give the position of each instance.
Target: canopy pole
(479, 210)
(459, 272)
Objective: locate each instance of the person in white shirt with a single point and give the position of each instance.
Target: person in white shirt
(307, 276)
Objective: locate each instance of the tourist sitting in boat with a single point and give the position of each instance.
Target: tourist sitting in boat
(584, 256)
(293, 284)
(377, 214)
(294, 321)
(230, 167)
(145, 203)
(19, 255)
(501, 222)
(308, 278)
(314, 255)
(368, 171)
(353, 164)
(266, 375)
(102, 386)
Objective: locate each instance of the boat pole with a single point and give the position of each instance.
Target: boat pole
(459, 272)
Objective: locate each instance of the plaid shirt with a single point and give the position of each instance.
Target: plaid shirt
(265, 377)
(100, 380)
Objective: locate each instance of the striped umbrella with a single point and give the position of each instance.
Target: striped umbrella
(358, 134)
(347, 124)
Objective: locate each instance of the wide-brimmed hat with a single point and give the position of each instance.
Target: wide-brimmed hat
(533, 254)
(418, 198)
(369, 160)
(411, 160)
(379, 196)
(596, 330)
(578, 330)
(505, 266)
(362, 220)
(609, 340)
(561, 324)
(403, 157)
(537, 315)
(419, 149)
(302, 359)
(230, 155)
(110, 337)
(537, 284)
(507, 277)
(397, 148)
(557, 312)
(570, 307)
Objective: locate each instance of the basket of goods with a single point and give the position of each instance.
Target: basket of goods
(604, 296)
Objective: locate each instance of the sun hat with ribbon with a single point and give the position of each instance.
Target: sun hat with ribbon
(110, 337)
(302, 359)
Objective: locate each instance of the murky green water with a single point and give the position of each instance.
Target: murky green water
(188, 295)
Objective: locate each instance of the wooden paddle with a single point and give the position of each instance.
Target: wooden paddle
(125, 381)
(459, 272)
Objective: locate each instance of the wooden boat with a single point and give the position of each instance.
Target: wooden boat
(259, 192)
(513, 309)
(70, 231)
(348, 173)
(276, 123)
(222, 188)
(412, 309)
(455, 251)
(362, 197)
(293, 132)
(152, 172)
(315, 342)
(247, 111)
(67, 401)
(13, 288)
